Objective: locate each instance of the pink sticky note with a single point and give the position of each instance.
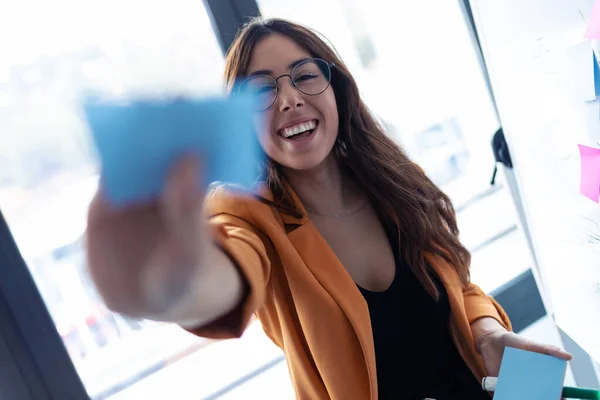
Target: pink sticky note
(590, 172)
(593, 29)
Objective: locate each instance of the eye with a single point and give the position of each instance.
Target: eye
(263, 89)
(260, 85)
(306, 76)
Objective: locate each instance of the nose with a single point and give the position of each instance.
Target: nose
(289, 97)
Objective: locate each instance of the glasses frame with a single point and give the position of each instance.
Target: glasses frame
(329, 65)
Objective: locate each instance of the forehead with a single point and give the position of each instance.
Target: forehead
(275, 53)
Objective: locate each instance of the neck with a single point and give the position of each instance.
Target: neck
(326, 189)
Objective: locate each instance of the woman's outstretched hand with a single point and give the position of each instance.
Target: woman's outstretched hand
(142, 257)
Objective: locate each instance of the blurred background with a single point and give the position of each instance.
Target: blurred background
(418, 70)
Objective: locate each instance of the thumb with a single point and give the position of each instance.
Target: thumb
(182, 200)
(177, 252)
(529, 345)
(556, 352)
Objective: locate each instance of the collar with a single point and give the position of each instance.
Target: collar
(286, 218)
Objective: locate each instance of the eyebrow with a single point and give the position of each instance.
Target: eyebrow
(269, 72)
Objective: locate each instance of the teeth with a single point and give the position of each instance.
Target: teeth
(299, 128)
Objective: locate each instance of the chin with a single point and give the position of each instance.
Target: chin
(309, 162)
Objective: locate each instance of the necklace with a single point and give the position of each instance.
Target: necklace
(339, 215)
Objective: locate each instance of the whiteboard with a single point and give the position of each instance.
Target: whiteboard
(527, 45)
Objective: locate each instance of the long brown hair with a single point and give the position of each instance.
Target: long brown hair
(396, 185)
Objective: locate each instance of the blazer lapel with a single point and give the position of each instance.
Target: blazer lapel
(324, 264)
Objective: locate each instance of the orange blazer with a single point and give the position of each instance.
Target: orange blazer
(309, 305)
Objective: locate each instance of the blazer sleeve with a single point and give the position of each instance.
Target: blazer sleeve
(230, 223)
(479, 305)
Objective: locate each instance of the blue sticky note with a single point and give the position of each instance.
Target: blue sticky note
(597, 76)
(525, 375)
(139, 142)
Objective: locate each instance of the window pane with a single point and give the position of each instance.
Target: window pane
(53, 52)
(417, 69)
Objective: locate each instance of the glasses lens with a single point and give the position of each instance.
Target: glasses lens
(263, 88)
(311, 77)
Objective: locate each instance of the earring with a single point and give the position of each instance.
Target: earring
(341, 146)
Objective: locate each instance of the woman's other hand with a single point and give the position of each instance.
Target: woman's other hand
(491, 338)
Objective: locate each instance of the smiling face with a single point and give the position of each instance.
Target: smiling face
(299, 130)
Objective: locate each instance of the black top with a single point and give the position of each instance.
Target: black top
(415, 354)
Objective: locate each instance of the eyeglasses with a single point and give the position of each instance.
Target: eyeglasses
(311, 77)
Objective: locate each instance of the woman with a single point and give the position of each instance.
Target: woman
(350, 255)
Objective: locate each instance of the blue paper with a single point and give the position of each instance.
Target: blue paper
(596, 76)
(525, 375)
(139, 142)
